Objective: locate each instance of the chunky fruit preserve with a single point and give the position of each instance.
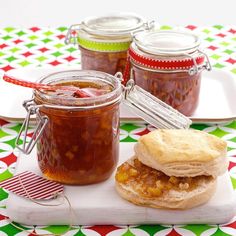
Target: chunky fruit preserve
(179, 90)
(80, 143)
(109, 62)
(150, 183)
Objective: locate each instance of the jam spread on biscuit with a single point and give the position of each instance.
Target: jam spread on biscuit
(149, 182)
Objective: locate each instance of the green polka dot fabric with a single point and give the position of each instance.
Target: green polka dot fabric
(45, 47)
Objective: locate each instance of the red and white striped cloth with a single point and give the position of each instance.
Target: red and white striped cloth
(35, 186)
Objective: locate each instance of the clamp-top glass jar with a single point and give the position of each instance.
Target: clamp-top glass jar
(168, 64)
(104, 40)
(78, 138)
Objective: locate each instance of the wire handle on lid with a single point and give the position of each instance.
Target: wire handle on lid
(149, 25)
(71, 36)
(31, 109)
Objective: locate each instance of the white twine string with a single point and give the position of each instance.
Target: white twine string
(64, 198)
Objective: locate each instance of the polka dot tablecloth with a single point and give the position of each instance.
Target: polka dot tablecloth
(45, 47)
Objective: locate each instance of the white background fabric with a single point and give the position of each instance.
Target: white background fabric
(25, 13)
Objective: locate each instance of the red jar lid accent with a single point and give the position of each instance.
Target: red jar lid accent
(159, 64)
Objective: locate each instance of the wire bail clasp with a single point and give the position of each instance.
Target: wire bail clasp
(207, 66)
(196, 68)
(72, 34)
(149, 25)
(31, 109)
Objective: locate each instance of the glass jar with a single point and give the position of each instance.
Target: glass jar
(80, 142)
(169, 64)
(104, 41)
(78, 138)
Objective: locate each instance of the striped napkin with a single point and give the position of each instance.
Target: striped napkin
(32, 186)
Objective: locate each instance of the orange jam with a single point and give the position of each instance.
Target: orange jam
(149, 182)
(80, 143)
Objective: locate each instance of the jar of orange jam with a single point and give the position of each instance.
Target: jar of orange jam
(80, 141)
(77, 138)
(168, 64)
(104, 40)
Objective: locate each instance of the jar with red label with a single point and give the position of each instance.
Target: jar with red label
(104, 40)
(169, 65)
(77, 137)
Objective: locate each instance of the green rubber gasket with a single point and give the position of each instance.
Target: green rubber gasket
(103, 46)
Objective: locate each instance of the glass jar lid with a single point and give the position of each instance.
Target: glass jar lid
(119, 24)
(152, 109)
(167, 42)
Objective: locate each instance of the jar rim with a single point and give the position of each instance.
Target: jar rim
(88, 102)
(167, 42)
(113, 25)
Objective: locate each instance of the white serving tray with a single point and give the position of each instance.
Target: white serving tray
(217, 97)
(100, 204)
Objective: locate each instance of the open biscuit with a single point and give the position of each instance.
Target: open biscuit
(174, 169)
(183, 152)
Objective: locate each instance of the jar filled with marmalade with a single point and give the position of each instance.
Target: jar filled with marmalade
(168, 64)
(103, 41)
(80, 141)
(77, 136)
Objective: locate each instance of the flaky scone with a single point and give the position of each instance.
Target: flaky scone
(146, 186)
(183, 152)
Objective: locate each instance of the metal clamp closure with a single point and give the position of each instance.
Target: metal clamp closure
(127, 88)
(207, 66)
(71, 36)
(31, 109)
(149, 25)
(196, 68)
